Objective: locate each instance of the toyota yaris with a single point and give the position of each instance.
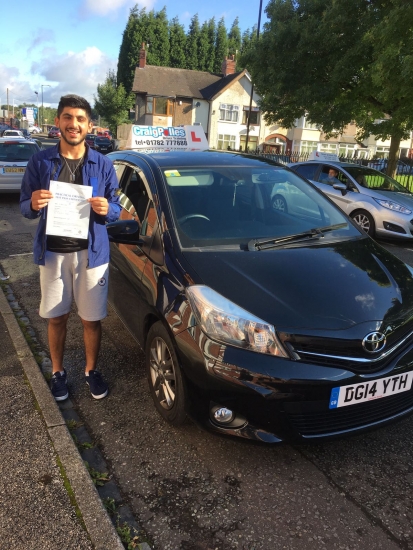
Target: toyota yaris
(259, 323)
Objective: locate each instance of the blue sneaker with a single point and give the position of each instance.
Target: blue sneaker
(98, 387)
(58, 385)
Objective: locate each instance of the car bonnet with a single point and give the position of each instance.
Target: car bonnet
(322, 287)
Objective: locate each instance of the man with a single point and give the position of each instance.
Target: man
(69, 267)
(331, 179)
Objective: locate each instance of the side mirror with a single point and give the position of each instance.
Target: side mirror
(340, 187)
(124, 232)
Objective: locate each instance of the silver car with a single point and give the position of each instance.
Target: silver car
(378, 203)
(14, 156)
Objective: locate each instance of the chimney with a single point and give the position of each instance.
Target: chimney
(142, 56)
(228, 65)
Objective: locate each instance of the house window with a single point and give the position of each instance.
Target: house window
(308, 146)
(159, 106)
(310, 125)
(229, 113)
(254, 116)
(328, 148)
(252, 143)
(226, 141)
(346, 151)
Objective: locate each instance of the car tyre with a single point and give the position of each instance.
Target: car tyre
(364, 220)
(279, 203)
(166, 382)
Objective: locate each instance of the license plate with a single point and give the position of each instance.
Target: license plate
(103, 148)
(371, 390)
(9, 170)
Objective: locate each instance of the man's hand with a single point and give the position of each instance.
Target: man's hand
(99, 205)
(40, 199)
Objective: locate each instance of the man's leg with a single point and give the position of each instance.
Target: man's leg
(92, 335)
(56, 330)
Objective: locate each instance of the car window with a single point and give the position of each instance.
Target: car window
(17, 152)
(228, 205)
(307, 170)
(332, 174)
(372, 179)
(137, 192)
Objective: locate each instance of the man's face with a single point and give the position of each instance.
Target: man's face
(332, 173)
(74, 125)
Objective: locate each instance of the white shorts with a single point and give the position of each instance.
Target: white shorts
(66, 276)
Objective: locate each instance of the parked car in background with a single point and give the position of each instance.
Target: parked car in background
(105, 133)
(34, 130)
(90, 140)
(13, 133)
(4, 127)
(54, 132)
(14, 155)
(103, 145)
(379, 204)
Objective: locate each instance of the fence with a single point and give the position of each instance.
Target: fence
(404, 168)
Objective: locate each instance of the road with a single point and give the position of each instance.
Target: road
(192, 490)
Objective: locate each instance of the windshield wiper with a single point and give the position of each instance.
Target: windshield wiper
(311, 234)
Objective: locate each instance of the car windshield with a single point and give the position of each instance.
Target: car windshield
(17, 152)
(373, 179)
(232, 205)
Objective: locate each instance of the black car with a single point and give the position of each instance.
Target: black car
(103, 145)
(260, 323)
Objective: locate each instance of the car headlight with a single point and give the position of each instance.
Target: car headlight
(395, 206)
(225, 322)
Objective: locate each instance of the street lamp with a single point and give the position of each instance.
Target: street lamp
(38, 112)
(43, 86)
(252, 85)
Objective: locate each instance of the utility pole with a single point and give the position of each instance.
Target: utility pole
(43, 86)
(252, 85)
(8, 104)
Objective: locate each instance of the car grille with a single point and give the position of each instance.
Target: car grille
(347, 354)
(318, 423)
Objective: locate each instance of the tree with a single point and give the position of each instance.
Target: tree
(221, 47)
(132, 38)
(337, 62)
(156, 35)
(234, 39)
(177, 44)
(112, 102)
(212, 38)
(203, 48)
(192, 40)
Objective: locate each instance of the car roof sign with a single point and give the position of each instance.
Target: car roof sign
(167, 138)
(318, 155)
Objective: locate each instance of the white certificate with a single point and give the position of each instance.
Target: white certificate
(68, 212)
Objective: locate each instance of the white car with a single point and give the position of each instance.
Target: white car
(34, 130)
(13, 133)
(15, 153)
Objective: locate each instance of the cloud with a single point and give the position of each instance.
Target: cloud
(107, 7)
(40, 36)
(78, 73)
(367, 301)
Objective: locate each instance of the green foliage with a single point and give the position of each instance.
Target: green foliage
(156, 36)
(203, 48)
(221, 47)
(337, 62)
(113, 102)
(98, 478)
(234, 39)
(177, 44)
(192, 41)
(212, 39)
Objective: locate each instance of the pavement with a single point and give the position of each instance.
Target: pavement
(48, 500)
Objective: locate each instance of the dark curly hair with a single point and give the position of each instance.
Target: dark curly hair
(76, 101)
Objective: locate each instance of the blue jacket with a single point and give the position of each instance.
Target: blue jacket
(97, 171)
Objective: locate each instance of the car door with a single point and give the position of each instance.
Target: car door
(344, 200)
(127, 292)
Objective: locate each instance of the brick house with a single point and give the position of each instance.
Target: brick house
(219, 103)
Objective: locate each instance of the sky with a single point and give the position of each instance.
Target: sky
(56, 47)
